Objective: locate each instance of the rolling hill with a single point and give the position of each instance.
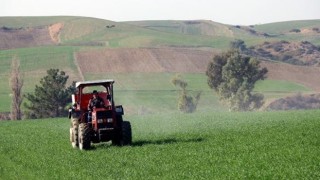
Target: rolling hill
(146, 51)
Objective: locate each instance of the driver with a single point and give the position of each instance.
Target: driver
(95, 101)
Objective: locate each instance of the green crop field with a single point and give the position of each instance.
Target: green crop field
(32, 59)
(220, 145)
(148, 93)
(34, 62)
(279, 86)
(153, 92)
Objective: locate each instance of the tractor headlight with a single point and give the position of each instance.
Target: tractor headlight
(109, 120)
(100, 120)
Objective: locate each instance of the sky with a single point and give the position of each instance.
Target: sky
(234, 12)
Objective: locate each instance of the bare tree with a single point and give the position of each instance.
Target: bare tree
(16, 83)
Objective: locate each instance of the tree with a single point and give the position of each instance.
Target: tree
(16, 84)
(238, 44)
(186, 103)
(233, 77)
(51, 97)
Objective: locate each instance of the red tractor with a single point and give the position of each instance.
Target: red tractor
(100, 124)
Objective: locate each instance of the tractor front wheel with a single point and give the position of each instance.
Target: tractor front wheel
(84, 136)
(74, 133)
(123, 137)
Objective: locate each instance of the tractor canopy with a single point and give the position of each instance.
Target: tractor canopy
(94, 83)
(81, 98)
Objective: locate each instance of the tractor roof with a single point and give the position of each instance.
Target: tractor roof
(94, 83)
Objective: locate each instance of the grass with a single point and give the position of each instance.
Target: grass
(34, 62)
(18, 22)
(147, 97)
(260, 145)
(78, 30)
(281, 27)
(282, 30)
(196, 81)
(280, 86)
(33, 59)
(145, 93)
(157, 33)
(152, 81)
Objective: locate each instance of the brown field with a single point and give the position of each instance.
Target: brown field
(12, 38)
(305, 75)
(183, 61)
(143, 60)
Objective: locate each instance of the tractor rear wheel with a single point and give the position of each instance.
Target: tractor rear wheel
(126, 133)
(123, 136)
(74, 133)
(84, 136)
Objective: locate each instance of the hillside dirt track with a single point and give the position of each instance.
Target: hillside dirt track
(54, 31)
(176, 60)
